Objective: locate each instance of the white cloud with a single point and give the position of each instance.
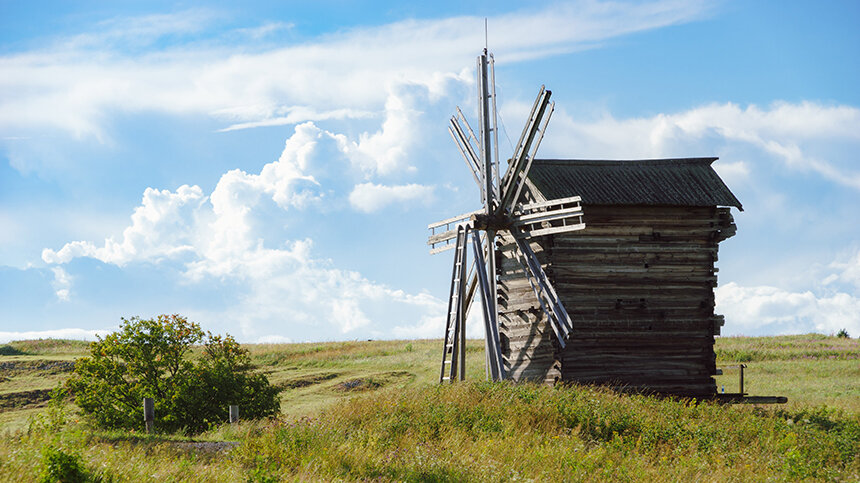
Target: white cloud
(162, 227)
(296, 114)
(429, 327)
(370, 197)
(71, 333)
(846, 269)
(140, 31)
(292, 289)
(732, 172)
(75, 85)
(273, 339)
(770, 310)
(62, 283)
(265, 30)
(791, 133)
(224, 237)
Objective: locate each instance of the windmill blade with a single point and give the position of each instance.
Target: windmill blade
(557, 315)
(523, 175)
(442, 233)
(488, 303)
(560, 215)
(467, 150)
(512, 183)
(472, 137)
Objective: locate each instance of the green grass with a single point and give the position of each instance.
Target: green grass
(44, 347)
(810, 369)
(372, 410)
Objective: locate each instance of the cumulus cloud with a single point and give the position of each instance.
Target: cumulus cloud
(827, 304)
(291, 288)
(770, 310)
(161, 227)
(224, 236)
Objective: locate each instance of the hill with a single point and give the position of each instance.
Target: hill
(371, 409)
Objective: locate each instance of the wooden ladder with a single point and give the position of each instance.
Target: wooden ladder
(455, 323)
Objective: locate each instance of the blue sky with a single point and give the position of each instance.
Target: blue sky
(269, 170)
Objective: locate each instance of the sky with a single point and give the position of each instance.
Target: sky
(269, 170)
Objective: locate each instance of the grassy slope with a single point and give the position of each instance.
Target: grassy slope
(402, 426)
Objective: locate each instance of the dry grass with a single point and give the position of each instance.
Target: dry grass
(371, 410)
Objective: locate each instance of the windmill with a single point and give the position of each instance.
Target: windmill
(504, 210)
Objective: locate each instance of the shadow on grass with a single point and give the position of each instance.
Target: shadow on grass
(8, 350)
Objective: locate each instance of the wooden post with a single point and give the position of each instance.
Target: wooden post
(741, 379)
(234, 414)
(148, 413)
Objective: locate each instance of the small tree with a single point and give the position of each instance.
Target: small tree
(152, 358)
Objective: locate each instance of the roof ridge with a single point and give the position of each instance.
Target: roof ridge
(610, 162)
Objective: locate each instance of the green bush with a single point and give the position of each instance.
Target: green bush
(58, 465)
(153, 358)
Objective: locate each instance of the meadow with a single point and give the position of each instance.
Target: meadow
(367, 410)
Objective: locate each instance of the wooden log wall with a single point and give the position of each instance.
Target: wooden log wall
(638, 283)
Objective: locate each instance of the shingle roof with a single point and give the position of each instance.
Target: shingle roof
(684, 182)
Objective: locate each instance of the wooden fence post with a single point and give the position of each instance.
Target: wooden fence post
(234, 414)
(148, 413)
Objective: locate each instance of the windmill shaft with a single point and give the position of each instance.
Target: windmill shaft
(500, 212)
(486, 146)
(495, 128)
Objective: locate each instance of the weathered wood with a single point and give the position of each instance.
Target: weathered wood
(742, 399)
(149, 414)
(638, 285)
(234, 413)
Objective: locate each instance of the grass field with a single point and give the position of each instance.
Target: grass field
(372, 410)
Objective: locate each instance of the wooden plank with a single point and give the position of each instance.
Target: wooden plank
(452, 220)
(638, 284)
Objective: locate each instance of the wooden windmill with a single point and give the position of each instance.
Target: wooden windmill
(503, 210)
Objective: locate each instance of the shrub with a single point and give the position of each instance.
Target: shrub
(843, 334)
(58, 465)
(152, 358)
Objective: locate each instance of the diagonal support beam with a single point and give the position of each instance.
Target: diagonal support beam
(550, 303)
(488, 299)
